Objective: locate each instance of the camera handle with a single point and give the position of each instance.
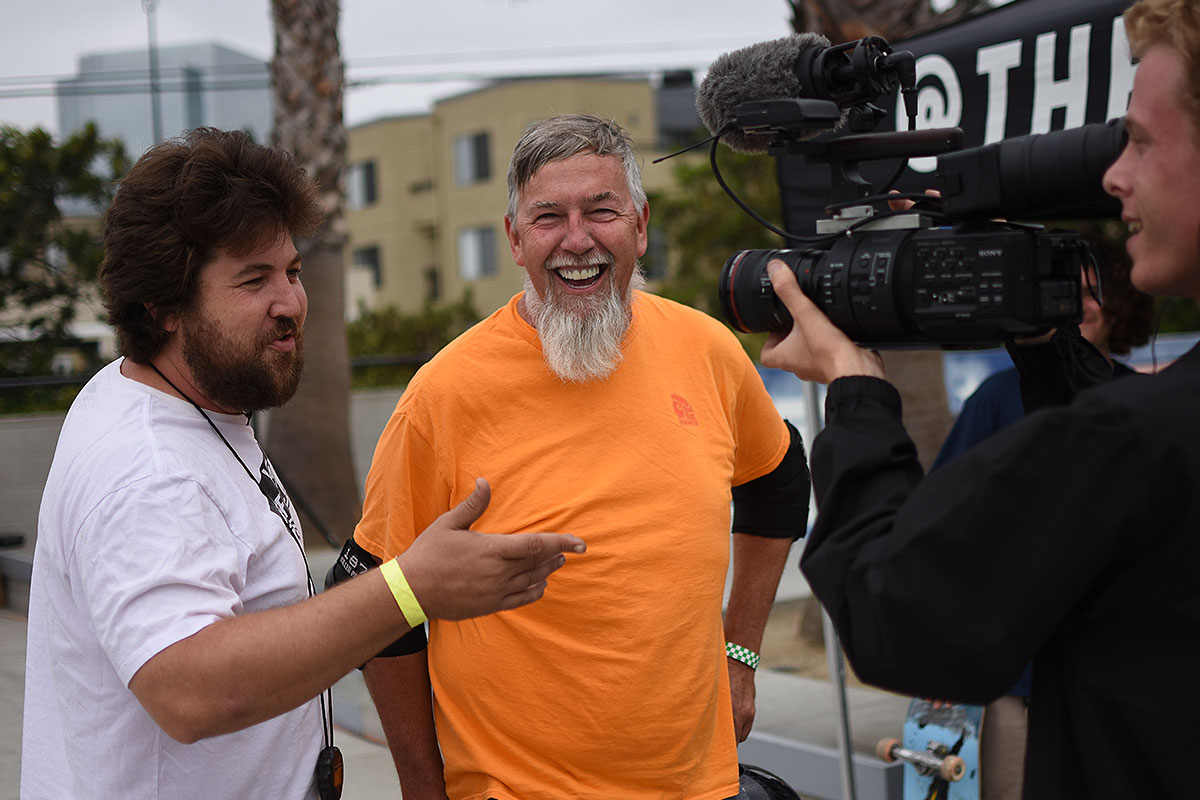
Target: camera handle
(844, 155)
(860, 218)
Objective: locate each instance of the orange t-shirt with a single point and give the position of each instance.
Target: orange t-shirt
(614, 684)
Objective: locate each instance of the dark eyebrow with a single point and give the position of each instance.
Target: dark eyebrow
(601, 197)
(258, 268)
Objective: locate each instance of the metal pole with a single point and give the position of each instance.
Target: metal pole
(152, 40)
(833, 648)
(837, 678)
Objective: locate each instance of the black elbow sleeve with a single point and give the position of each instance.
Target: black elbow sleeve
(776, 505)
(354, 560)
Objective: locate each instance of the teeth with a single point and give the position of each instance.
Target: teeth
(581, 274)
(1135, 227)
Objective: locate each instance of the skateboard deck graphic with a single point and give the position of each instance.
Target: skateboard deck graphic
(940, 751)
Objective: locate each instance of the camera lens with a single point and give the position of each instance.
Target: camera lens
(748, 300)
(970, 285)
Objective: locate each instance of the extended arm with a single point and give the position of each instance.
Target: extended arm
(243, 670)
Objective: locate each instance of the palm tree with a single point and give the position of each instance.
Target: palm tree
(309, 438)
(844, 20)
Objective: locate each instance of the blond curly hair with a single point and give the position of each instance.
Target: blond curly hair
(1175, 23)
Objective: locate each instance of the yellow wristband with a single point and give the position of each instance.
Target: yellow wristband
(403, 593)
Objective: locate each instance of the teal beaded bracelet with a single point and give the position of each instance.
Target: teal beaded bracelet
(742, 654)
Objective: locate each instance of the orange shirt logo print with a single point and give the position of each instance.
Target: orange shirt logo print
(683, 410)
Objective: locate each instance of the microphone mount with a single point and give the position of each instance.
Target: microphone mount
(853, 74)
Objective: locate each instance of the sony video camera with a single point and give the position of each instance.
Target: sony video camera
(947, 272)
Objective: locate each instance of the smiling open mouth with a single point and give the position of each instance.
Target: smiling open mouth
(581, 277)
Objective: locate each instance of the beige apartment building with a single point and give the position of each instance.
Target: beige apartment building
(426, 194)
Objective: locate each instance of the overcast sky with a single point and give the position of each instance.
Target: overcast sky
(414, 42)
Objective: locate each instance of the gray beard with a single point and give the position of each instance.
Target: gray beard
(581, 337)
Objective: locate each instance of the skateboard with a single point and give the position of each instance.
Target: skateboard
(940, 751)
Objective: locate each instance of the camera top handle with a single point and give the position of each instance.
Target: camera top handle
(846, 153)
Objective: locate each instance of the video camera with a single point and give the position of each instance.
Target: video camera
(944, 273)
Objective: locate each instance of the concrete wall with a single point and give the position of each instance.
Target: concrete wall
(27, 446)
(26, 449)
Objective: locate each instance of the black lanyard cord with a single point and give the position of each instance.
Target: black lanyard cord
(326, 709)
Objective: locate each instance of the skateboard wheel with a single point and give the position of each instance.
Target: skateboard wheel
(952, 768)
(884, 749)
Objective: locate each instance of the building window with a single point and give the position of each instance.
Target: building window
(476, 253)
(360, 185)
(368, 258)
(655, 261)
(471, 163)
(433, 285)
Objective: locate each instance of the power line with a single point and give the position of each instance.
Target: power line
(135, 74)
(90, 89)
(545, 52)
(233, 77)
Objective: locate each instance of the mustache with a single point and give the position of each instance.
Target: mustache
(285, 326)
(576, 260)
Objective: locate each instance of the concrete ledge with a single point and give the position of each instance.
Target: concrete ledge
(16, 566)
(16, 570)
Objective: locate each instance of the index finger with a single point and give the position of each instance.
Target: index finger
(538, 547)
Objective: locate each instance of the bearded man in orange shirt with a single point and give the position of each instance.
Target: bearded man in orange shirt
(629, 420)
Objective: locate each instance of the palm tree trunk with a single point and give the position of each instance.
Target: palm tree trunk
(309, 438)
(919, 377)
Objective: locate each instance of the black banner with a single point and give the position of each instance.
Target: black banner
(1032, 66)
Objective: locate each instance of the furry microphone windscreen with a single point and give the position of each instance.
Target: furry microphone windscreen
(762, 71)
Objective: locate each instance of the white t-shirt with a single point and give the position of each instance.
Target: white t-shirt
(149, 531)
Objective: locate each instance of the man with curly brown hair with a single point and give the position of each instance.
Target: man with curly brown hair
(176, 649)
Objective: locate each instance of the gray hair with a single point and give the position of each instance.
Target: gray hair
(563, 136)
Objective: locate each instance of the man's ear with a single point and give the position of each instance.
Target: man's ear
(514, 242)
(643, 225)
(168, 320)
